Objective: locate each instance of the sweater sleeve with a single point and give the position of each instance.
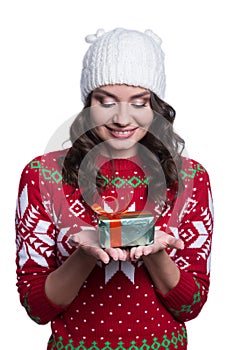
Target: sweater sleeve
(35, 242)
(195, 228)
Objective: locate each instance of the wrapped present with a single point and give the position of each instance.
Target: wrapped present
(127, 229)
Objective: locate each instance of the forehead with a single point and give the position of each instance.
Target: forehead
(122, 91)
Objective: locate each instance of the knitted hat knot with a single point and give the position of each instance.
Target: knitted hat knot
(123, 56)
(93, 37)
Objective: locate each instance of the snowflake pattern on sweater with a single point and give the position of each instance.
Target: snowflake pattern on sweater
(117, 307)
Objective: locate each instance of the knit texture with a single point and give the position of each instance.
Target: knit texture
(118, 307)
(124, 56)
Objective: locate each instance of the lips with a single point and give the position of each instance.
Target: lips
(121, 133)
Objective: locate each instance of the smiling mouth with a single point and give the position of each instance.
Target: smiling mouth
(121, 133)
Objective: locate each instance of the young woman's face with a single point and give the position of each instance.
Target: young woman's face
(122, 115)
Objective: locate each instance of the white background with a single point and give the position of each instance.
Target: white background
(42, 45)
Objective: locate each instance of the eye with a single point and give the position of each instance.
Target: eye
(138, 105)
(107, 104)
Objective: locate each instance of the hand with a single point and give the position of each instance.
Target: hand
(161, 241)
(88, 240)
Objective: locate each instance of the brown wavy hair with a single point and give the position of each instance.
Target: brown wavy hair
(163, 161)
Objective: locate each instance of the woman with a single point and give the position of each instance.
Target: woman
(125, 157)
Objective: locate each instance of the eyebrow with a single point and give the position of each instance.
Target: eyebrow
(107, 93)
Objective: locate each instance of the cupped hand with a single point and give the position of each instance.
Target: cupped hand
(88, 240)
(162, 240)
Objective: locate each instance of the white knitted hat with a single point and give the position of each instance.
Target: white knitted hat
(123, 56)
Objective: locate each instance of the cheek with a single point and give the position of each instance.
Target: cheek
(141, 133)
(99, 115)
(96, 117)
(146, 120)
(101, 132)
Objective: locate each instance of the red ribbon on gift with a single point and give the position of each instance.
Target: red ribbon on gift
(115, 222)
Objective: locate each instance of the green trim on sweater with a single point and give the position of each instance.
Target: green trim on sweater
(168, 343)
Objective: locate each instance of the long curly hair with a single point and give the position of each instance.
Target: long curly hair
(163, 161)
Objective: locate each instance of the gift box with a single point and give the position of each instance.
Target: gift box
(126, 229)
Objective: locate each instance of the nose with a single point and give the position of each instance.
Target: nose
(122, 116)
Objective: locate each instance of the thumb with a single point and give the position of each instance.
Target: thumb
(74, 240)
(179, 244)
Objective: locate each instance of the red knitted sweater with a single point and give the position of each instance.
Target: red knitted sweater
(117, 307)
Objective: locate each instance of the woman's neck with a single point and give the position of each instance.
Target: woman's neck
(118, 153)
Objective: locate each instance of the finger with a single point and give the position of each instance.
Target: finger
(117, 253)
(103, 256)
(121, 254)
(97, 253)
(74, 240)
(125, 254)
(164, 240)
(179, 244)
(149, 249)
(132, 253)
(175, 243)
(138, 252)
(113, 253)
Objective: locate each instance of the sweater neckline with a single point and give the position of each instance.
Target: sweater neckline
(119, 164)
